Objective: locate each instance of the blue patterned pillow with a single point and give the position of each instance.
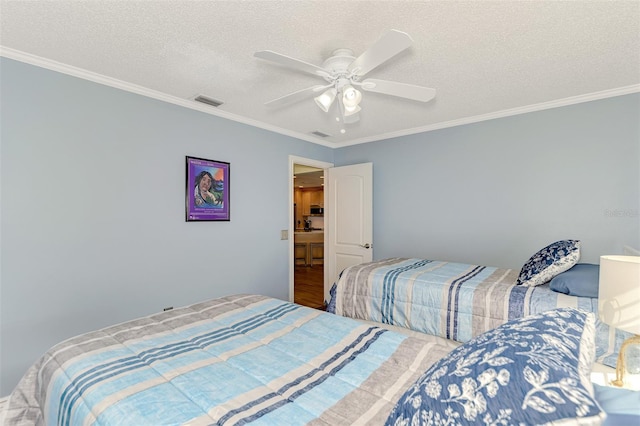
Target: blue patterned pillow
(549, 262)
(532, 370)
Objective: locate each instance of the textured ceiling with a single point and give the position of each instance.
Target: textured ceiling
(485, 59)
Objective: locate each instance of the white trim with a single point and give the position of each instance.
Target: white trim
(634, 88)
(189, 103)
(150, 93)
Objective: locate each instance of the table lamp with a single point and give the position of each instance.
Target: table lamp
(619, 302)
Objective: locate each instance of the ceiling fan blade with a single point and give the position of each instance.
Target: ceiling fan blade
(296, 64)
(402, 90)
(297, 96)
(389, 45)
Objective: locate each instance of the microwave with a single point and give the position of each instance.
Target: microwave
(316, 210)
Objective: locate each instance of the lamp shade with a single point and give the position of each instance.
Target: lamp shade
(351, 99)
(619, 292)
(325, 100)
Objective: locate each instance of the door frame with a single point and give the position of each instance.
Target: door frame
(311, 163)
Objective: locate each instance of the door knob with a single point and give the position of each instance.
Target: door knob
(367, 245)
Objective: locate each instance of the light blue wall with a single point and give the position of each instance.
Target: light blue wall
(93, 229)
(92, 213)
(492, 193)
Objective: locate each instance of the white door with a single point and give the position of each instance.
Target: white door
(348, 219)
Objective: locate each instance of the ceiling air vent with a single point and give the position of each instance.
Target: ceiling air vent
(207, 100)
(319, 133)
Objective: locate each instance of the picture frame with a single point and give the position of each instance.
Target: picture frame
(207, 190)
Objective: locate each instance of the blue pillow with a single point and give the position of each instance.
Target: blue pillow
(615, 400)
(581, 280)
(532, 370)
(549, 262)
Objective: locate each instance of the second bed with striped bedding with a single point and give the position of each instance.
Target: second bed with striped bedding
(453, 300)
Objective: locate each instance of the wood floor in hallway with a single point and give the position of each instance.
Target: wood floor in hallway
(309, 286)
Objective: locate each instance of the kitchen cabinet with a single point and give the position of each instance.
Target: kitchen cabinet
(317, 198)
(304, 198)
(306, 202)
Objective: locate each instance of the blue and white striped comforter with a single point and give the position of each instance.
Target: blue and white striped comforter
(453, 300)
(233, 360)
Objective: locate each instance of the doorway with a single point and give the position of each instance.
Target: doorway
(307, 231)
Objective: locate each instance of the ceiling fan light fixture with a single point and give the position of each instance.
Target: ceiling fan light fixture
(350, 119)
(351, 110)
(349, 115)
(351, 98)
(325, 100)
(343, 71)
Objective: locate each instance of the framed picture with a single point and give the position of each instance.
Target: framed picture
(207, 193)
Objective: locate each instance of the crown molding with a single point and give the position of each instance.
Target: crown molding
(627, 90)
(150, 93)
(191, 104)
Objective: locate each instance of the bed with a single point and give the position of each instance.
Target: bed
(254, 359)
(454, 300)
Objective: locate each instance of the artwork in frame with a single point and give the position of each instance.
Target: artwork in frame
(207, 193)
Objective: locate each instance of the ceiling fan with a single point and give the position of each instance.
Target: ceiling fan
(344, 72)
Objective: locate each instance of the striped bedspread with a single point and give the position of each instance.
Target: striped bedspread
(233, 360)
(453, 300)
